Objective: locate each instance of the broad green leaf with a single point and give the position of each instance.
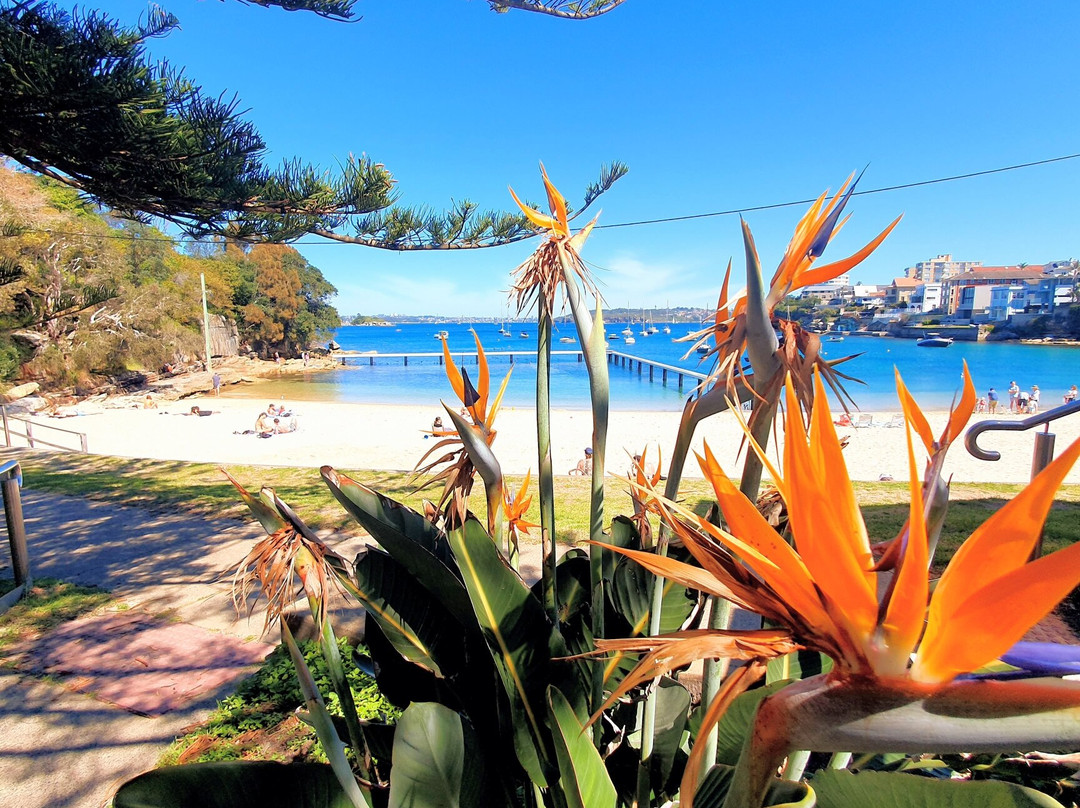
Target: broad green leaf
(622, 533)
(583, 779)
(797, 665)
(631, 593)
(844, 789)
(378, 513)
(672, 709)
(415, 621)
(781, 794)
(430, 762)
(736, 723)
(518, 636)
(236, 784)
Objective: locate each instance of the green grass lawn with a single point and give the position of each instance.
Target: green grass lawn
(200, 488)
(48, 604)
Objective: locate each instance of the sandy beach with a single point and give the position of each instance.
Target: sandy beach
(391, 437)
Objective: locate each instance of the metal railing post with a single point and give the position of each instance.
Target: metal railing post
(10, 481)
(29, 434)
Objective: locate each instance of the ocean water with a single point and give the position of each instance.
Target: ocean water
(933, 374)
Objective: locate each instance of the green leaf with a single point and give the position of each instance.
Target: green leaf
(672, 709)
(797, 665)
(622, 533)
(844, 789)
(431, 767)
(518, 637)
(583, 778)
(416, 622)
(631, 594)
(389, 522)
(236, 784)
(781, 794)
(735, 725)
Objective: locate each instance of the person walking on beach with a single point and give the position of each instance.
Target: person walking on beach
(217, 384)
(1033, 399)
(1014, 397)
(991, 400)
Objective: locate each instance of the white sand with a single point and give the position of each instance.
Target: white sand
(388, 437)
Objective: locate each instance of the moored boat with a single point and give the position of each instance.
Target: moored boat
(934, 341)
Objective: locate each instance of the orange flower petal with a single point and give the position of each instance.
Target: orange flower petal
(914, 415)
(829, 271)
(453, 374)
(999, 545)
(536, 217)
(556, 202)
(996, 617)
(906, 611)
(961, 413)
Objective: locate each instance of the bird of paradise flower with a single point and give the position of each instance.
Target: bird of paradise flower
(892, 653)
(467, 448)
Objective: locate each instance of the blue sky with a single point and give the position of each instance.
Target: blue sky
(713, 105)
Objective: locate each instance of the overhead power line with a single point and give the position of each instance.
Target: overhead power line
(643, 222)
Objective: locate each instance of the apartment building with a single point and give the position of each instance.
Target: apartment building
(939, 269)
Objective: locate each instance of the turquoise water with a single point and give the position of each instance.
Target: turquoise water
(933, 374)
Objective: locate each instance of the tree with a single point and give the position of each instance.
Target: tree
(81, 103)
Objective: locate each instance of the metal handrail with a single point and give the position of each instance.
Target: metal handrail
(31, 439)
(971, 438)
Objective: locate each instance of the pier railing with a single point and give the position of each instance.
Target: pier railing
(1044, 441)
(629, 361)
(32, 440)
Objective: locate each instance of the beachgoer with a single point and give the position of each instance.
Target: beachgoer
(1014, 397)
(1070, 395)
(217, 384)
(277, 357)
(584, 466)
(1033, 399)
(304, 356)
(1022, 401)
(436, 425)
(843, 420)
(980, 405)
(264, 428)
(271, 409)
(196, 411)
(149, 403)
(992, 400)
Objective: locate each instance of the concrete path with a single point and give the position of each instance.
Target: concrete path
(67, 750)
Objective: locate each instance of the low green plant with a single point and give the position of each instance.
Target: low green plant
(267, 699)
(49, 603)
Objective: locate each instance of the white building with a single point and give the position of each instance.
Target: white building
(939, 269)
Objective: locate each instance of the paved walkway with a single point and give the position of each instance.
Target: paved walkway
(63, 749)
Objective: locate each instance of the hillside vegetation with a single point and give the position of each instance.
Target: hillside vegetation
(85, 297)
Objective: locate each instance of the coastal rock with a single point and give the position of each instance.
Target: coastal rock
(999, 334)
(21, 391)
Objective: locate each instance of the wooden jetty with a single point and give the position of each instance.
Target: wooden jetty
(617, 358)
(628, 361)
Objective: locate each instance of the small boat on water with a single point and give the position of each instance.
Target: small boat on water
(613, 337)
(524, 335)
(703, 349)
(934, 341)
(628, 331)
(667, 329)
(567, 339)
(630, 340)
(835, 338)
(442, 335)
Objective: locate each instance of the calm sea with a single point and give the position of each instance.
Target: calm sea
(933, 374)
